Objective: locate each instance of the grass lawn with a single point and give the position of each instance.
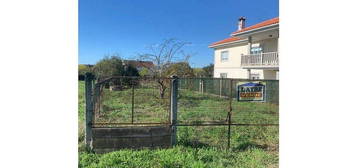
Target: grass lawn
(197, 146)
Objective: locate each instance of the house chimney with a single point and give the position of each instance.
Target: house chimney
(241, 23)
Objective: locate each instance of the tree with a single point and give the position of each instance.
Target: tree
(144, 72)
(82, 70)
(198, 72)
(113, 66)
(130, 70)
(163, 55)
(181, 69)
(109, 66)
(208, 70)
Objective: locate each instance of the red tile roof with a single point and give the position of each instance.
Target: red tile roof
(259, 25)
(227, 40)
(140, 64)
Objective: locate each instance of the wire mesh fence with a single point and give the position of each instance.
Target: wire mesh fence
(209, 111)
(132, 100)
(211, 115)
(209, 100)
(197, 106)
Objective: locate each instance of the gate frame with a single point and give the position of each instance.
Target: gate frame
(173, 109)
(90, 100)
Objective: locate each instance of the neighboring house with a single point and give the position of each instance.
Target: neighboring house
(250, 53)
(88, 65)
(139, 64)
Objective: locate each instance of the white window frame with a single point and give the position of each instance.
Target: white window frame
(224, 59)
(256, 48)
(223, 75)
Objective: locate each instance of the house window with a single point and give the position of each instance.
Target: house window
(254, 76)
(223, 75)
(256, 49)
(224, 56)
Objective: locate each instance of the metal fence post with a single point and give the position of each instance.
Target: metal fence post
(89, 107)
(132, 104)
(173, 108)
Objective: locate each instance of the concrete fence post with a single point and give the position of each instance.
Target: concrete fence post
(200, 86)
(220, 87)
(173, 108)
(230, 113)
(89, 107)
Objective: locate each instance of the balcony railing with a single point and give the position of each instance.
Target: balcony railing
(269, 59)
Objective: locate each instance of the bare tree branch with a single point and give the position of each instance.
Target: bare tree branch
(163, 55)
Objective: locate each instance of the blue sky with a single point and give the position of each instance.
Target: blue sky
(127, 27)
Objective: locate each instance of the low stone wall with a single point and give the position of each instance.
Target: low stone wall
(138, 137)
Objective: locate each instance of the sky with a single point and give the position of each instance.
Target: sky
(127, 27)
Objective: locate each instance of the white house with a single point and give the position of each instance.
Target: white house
(250, 53)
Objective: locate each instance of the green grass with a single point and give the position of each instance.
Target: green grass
(81, 115)
(197, 146)
(180, 157)
(197, 107)
(116, 106)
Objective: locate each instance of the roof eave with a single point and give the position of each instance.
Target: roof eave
(257, 30)
(228, 43)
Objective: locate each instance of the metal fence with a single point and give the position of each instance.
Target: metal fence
(211, 115)
(209, 100)
(132, 101)
(203, 112)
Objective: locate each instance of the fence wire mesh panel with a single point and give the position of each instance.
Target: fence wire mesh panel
(208, 100)
(203, 105)
(250, 112)
(132, 100)
(210, 113)
(152, 101)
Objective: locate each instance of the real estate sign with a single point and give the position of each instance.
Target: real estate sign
(251, 91)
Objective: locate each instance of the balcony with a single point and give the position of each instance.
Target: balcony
(262, 60)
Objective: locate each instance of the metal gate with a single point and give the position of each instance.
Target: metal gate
(132, 101)
(128, 112)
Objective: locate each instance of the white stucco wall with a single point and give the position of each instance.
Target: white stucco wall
(234, 57)
(259, 72)
(231, 72)
(232, 65)
(270, 74)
